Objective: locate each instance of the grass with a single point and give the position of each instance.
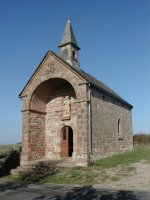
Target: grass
(137, 154)
(108, 169)
(74, 176)
(90, 175)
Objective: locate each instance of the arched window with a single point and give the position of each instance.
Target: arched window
(73, 54)
(119, 130)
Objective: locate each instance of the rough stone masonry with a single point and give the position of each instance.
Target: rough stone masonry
(70, 115)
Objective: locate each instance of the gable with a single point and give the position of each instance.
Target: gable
(50, 67)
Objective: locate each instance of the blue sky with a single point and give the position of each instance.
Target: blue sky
(114, 37)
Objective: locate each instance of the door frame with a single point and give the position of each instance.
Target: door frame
(67, 142)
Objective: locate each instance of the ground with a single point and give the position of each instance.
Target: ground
(134, 186)
(137, 179)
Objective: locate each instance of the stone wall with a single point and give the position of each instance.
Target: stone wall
(106, 111)
(36, 137)
(55, 122)
(25, 134)
(42, 119)
(82, 133)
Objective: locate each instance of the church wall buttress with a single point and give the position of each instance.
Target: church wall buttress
(36, 140)
(25, 131)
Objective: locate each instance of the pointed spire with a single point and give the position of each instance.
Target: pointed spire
(68, 36)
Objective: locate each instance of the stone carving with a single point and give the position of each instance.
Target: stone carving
(66, 107)
(50, 68)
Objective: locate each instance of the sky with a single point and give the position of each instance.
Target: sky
(114, 37)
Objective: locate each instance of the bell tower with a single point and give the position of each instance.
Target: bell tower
(69, 47)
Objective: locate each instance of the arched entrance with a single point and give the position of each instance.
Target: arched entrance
(47, 106)
(66, 142)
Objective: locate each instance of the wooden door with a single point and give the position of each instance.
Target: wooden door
(64, 142)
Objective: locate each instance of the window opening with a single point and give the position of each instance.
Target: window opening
(64, 134)
(119, 129)
(73, 54)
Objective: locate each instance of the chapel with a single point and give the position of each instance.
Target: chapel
(70, 115)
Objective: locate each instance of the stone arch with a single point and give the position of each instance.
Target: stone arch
(74, 129)
(46, 117)
(40, 96)
(37, 82)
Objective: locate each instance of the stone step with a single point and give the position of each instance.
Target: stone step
(67, 164)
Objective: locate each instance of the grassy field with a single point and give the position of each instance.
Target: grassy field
(5, 148)
(108, 169)
(137, 154)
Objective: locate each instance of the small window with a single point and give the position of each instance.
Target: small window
(64, 134)
(119, 130)
(73, 54)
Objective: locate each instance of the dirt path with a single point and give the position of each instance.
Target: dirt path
(10, 190)
(134, 185)
(138, 179)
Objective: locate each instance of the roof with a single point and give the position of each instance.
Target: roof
(68, 36)
(89, 78)
(94, 82)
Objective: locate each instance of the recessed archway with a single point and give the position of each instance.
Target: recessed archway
(40, 96)
(46, 117)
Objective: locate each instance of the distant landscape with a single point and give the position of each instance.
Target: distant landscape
(8, 147)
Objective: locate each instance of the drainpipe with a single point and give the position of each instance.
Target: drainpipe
(90, 128)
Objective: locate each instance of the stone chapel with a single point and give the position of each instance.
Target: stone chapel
(70, 115)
